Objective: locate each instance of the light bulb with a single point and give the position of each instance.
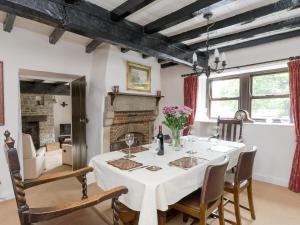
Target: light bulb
(195, 58)
(217, 53)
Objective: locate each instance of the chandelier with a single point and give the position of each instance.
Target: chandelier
(219, 61)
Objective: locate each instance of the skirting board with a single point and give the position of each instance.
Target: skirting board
(272, 180)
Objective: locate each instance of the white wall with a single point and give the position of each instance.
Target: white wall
(61, 114)
(117, 69)
(23, 49)
(276, 142)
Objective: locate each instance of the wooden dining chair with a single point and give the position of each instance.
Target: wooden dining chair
(230, 129)
(201, 203)
(236, 182)
(70, 213)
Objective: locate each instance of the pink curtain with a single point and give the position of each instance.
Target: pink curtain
(190, 97)
(294, 77)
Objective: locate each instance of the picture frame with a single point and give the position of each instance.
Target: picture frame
(138, 77)
(2, 122)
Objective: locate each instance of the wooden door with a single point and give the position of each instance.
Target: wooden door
(79, 147)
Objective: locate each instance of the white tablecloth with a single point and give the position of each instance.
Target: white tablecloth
(152, 191)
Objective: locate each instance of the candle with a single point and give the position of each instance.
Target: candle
(195, 59)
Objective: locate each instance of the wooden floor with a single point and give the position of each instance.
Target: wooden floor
(274, 205)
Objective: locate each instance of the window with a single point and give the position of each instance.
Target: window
(264, 96)
(225, 96)
(270, 97)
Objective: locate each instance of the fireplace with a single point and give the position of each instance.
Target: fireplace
(31, 125)
(129, 113)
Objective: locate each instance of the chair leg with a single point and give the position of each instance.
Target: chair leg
(203, 214)
(237, 206)
(250, 200)
(221, 212)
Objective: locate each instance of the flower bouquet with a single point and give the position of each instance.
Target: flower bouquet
(176, 118)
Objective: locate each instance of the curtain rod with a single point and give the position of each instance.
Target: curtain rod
(252, 64)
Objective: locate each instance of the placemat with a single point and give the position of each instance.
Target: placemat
(185, 162)
(124, 164)
(135, 149)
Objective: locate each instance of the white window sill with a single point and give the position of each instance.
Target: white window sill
(254, 124)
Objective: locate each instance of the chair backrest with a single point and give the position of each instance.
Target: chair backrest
(213, 185)
(230, 129)
(15, 175)
(29, 151)
(245, 166)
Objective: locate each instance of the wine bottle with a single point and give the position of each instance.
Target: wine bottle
(160, 138)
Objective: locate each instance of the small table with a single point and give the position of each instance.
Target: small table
(152, 192)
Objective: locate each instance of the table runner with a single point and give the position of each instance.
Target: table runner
(151, 191)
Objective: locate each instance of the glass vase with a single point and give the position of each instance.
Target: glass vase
(176, 133)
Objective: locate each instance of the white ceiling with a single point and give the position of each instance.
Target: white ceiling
(160, 8)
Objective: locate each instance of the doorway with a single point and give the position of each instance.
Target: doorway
(53, 122)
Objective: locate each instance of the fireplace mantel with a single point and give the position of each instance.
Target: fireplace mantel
(115, 94)
(34, 118)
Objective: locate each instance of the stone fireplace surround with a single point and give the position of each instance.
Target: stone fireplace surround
(129, 113)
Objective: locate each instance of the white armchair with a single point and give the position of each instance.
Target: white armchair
(34, 161)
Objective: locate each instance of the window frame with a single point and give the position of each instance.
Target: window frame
(252, 97)
(210, 98)
(246, 92)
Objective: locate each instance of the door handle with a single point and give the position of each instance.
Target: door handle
(85, 120)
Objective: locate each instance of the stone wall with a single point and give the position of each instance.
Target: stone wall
(29, 107)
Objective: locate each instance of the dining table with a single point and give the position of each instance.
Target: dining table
(154, 191)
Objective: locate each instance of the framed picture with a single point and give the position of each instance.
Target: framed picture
(1, 96)
(138, 77)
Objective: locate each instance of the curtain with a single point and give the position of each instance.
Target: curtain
(190, 98)
(294, 77)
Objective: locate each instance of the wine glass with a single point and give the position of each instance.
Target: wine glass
(129, 139)
(154, 152)
(191, 140)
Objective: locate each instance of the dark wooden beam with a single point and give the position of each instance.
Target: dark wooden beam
(161, 61)
(145, 56)
(56, 35)
(179, 16)
(8, 23)
(260, 41)
(295, 22)
(92, 46)
(169, 64)
(127, 8)
(92, 21)
(237, 19)
(124, 50)
(27, 87)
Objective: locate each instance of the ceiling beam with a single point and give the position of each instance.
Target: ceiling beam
(127, 8)
(124, 50)
(8, 23)
(179, 16)
(56, 35)
(28, 87)
(295, 22)
(161, 61)
(237, 19)
(92, 46)
(264, 40)
(145, 56)
(92, 21)
(169, 64)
